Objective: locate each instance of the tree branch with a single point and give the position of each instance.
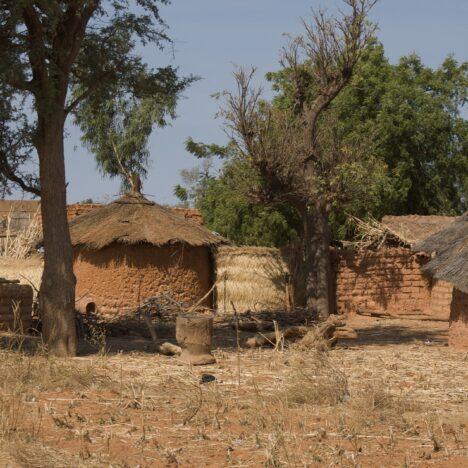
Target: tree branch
(10, 174)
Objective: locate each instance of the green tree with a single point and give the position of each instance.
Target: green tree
(416, 142)
(117, 123)
(414, 114)
(47, 49)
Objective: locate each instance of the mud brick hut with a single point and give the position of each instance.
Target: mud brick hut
(449, 251)
(389, 280)
(134, 249)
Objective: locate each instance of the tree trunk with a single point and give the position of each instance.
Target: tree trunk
(57, 292)
(312, 269)
(321, 261)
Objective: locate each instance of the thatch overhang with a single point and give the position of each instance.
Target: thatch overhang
(412, 229)
(134, 220)
(449, 249)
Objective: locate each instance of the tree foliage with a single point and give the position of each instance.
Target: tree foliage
(54, 56)
(116, 125)
(411, 119)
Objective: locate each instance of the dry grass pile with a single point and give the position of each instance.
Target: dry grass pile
(251, 278)
(371, 234)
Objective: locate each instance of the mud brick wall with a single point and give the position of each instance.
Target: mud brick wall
(458, 331)
(389, 282)
(12, 296)
(441, 300)
(78, 209)
(117, 279)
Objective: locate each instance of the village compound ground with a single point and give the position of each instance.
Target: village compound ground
(397, 396)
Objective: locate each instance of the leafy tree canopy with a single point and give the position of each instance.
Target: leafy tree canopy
(411, 120)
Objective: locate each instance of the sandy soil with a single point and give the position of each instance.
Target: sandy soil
(397, 396)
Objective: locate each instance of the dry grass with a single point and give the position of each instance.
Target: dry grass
(251, 278)
(371, 405)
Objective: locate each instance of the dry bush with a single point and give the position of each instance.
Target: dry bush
(313, 380)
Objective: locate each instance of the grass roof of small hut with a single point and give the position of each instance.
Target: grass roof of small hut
(133, 219)
(450, 249)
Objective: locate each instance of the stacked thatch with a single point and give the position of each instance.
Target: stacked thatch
(135, 220)
(449, 249)
(251, 278)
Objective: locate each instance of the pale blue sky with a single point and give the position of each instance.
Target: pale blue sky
(212, 35)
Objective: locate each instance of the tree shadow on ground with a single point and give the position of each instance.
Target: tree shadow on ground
(399, 334)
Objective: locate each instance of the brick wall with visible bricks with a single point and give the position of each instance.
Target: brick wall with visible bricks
(389, 282)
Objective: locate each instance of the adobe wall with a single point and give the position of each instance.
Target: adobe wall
(458, 331)
(389, 282)
(120, 277)
(15, 306)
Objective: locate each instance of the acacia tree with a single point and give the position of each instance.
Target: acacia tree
(47, 49)
(296, 148)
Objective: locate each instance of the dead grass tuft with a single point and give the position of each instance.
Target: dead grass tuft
(21, 372)
(313, 380)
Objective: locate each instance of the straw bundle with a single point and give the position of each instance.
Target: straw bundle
(251, 278)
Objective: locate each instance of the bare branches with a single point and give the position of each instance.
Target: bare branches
(296, 160)
(332, 46)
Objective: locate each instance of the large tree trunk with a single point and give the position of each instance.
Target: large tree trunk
(312, 270)
(57, 292)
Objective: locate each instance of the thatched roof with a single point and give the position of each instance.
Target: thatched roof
(449, 248)
(134, 220)
(412, 229)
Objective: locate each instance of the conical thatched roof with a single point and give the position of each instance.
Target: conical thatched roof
(450, 249)
(133, 220)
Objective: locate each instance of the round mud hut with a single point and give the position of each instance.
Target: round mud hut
(134, 249)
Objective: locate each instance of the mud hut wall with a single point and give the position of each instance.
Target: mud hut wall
(389, 281)
(117, 279)
(442, 294)
(458, 331)
(251, 279)
(384, 282)
(15, 306)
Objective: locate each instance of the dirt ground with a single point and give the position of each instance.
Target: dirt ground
(397, 396)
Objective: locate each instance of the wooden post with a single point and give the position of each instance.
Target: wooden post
(194, 334)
